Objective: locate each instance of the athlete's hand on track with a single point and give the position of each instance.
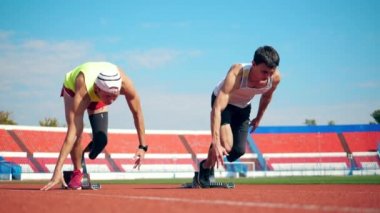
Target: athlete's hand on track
(54, 181)
(219, 151)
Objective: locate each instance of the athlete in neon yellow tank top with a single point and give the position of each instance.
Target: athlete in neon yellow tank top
(90, 71)
(89, 83)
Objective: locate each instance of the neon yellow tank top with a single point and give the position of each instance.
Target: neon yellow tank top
(90, 71)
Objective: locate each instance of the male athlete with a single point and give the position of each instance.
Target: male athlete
(231, 108)
(92, 86)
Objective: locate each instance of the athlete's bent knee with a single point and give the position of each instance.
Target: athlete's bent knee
(99, 125)
(235, 154)
(99, 142)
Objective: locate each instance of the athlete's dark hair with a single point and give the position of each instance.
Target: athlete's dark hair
(267, 55)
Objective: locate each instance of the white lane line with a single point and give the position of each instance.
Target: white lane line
(308, 207)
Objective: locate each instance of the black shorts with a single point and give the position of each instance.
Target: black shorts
(233, 115)
(238, 118)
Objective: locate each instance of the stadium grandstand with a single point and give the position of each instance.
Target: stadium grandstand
(270, 151)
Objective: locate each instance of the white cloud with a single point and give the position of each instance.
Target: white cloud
(5, 34)
(32, 72)
(151, 59)
(156, 58)
(369, 85)
(36, 62)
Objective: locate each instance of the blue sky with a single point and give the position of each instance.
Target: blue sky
(177, 51)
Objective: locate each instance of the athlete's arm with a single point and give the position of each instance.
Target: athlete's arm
(265, 100)
(221, 102)
(134, 104)
(74, 119)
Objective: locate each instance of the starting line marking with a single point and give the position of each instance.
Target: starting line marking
(309, 207)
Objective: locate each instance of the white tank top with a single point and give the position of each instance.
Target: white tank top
(243, 96)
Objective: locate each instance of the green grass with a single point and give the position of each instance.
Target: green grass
(265, 180)
(260, 180)
(313, 180)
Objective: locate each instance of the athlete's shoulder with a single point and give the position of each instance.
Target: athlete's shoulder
(241, 65)
(246, 65)
(276, 77)
(236, 68)
(237, 65)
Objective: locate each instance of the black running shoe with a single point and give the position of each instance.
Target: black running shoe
(204, 176)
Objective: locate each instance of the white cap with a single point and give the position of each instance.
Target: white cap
(109, 81)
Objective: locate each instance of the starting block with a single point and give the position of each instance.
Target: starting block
(213, 184)
(86, 181)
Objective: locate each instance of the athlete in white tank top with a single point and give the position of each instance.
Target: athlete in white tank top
(230, 114)
(243, 96)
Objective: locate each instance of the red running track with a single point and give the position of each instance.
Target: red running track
(170, 198)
